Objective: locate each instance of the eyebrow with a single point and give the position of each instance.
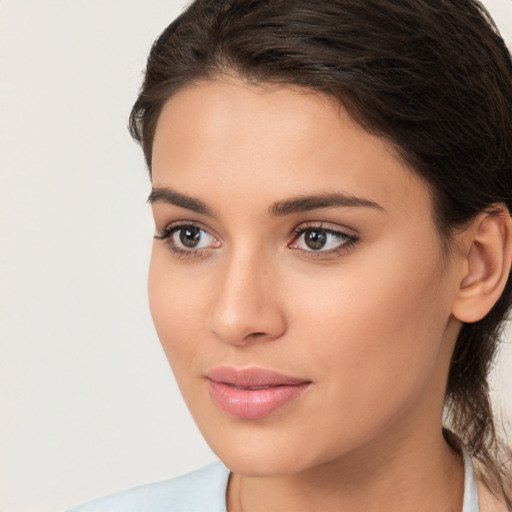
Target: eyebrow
(166, 195)
(278, 209)
(327, 200)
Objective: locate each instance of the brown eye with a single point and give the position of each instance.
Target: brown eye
(190, 236)
(315, 239)
(321, 240)
(188, 239)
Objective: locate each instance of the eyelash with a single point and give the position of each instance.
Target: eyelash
(167, 233)
(349, 240)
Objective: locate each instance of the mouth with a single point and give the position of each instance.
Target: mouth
(253, 393)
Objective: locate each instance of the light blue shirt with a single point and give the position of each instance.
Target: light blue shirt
(204, 490)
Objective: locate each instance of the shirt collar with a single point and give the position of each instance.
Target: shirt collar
(470, 491)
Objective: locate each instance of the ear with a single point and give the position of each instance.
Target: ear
(486, 260)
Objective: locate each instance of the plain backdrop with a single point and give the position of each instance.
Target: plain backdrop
(88, 405)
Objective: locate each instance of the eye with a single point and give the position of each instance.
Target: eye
(187, 238)
(318, 239)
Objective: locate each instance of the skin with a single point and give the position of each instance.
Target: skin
(371, 325)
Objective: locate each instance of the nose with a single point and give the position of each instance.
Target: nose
(247, 307)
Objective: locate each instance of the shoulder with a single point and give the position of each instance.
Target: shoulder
(488, 501)
(203, 490)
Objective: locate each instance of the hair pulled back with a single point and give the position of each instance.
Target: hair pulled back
(433, 77)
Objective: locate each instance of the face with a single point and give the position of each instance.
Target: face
(297, 282)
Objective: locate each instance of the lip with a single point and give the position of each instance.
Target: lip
(253, 393)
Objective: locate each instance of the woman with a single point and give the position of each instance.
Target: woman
(332, 184)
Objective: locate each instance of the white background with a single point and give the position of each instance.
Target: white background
(88, 405)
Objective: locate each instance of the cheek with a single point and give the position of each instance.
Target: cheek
(177, 304)
(375, 329)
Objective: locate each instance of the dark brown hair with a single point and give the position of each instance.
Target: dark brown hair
(432, 76)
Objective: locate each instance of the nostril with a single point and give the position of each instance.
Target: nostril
(240, 339)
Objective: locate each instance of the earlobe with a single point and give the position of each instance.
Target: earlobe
(487, 259)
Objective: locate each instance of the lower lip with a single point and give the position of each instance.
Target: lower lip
(253, 403)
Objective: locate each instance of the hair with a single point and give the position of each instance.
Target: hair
(433, 77)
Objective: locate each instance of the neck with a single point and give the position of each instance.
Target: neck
(394, 476)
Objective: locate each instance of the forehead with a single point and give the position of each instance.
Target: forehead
(236, 138)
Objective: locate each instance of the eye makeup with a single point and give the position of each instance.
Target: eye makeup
(313, 239)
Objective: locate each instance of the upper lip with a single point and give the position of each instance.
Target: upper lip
(248, 377)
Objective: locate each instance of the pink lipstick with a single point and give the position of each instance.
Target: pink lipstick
(252, 393)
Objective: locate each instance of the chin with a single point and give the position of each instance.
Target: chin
(263, 450)
(258, 464)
